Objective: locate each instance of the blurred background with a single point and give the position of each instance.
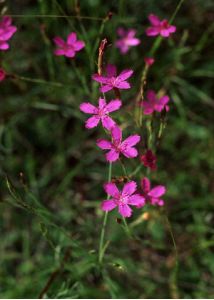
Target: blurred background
(51, 171)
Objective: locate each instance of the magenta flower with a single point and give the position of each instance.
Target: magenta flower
(6, 32)
(122, 199)
(149, 61)
(68, 48)
(152, 195)
(158, 27)
(111, 80)
(154, 104)
(116, 146)
(100, 113)
(149, 160)
(127, 39)
(2, 74)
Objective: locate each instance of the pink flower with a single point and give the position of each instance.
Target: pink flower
(158, 27)
(111, 80)
(68, 48)
(122, 199)
(6, 32)
(2, 74)
(127, 39)
(152, 195)
(117, 146)
(154, 104)
(149, 160)
(149, 61)
(100, 113)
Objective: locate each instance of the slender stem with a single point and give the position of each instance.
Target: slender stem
(128, 231)
(176, 11)
(173, 280)
(101, 244)
(35, 80)
(56, 16)
(81, 78)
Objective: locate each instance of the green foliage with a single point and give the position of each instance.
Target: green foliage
(51, 172)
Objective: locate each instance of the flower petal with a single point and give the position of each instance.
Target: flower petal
(125, 74)
(130, 152)
(71, 39)
(6, 21)
(129, 188)
(100, 79)
(79, 45)
(107, 122)
(112, 155)
(113, 105)
(88, 108)
(137, 200)
(102, 103)
(172, 28)
(4, 45)
(123, 85)
(157, 191)
(59, 41)
(152, 31)
(106, 88)
(92, 122)
(111, 70)
(108, 205)
(151, 96)
(116, 133)
(154, 20)
(111, 189)
(131, 140)
(70, 53)
(59, 52)
(104, 144)
(165, 32)
(125, 210)
(133, 41)
(145, 185)
(148, 109)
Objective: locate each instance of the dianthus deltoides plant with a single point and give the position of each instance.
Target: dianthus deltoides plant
(129, 194)
(136, 149)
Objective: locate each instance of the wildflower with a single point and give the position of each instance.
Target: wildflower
(152, 195)
(100, 113)
(123, 199)
(117, 146)
(127, 39)
(6, 32)
(149, 160)
(154, 104)
(2, 74)
(68, 48)
(149, 61)
(111, 80)
(159, 27)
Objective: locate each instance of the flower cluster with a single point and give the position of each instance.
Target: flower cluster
(116, 146)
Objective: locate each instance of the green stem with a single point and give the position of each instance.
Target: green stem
(101, 244)
(35, 80)
(127, 229)
(81, 78)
